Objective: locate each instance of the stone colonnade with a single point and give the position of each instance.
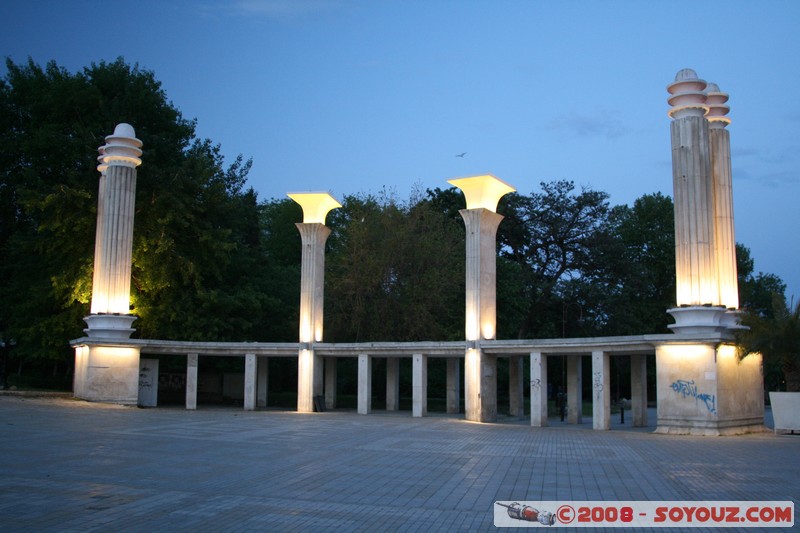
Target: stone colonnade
(419, 354)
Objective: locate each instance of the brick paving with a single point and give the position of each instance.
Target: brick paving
(68, 465)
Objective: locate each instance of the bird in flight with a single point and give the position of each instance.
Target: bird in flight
(462, 154)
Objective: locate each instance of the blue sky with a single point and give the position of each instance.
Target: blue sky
(355, 96)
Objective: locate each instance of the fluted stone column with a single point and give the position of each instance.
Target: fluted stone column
(313, 234)
(699, 306)
(724, 239)
(481, 220)
(111, 282)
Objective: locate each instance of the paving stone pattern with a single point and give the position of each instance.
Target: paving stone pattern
(67, 465)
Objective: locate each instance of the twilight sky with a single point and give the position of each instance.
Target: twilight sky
(355, 96)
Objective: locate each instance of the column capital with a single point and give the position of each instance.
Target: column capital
(688, 96)
(717, 107)
(316, 205)
(482, 191)
(122, 148)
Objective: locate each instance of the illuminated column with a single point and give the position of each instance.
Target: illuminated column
(538, 389)
(574, 389)
(697, 289)
(313, 233)
(111, 283)
(481, 220)
(724, 240)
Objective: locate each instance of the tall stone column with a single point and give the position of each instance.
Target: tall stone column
(111, 283)
(313, 234)
(481, 220)
(724, 239)
(699, 306)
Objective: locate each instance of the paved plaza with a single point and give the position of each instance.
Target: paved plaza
(69, 465)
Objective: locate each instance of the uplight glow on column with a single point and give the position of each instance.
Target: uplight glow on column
(316, 205)
(313, 234)
(482, 194)
(482, 191)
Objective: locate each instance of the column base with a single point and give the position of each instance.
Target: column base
(698, 320)
(108, 326)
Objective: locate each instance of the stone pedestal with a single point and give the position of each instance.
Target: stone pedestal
(107, 374)
(703, 389)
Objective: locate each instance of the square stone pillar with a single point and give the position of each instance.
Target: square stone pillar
(516, 393)
(191, 381)
(364, 384)
(574, 389)
(601, 391)
(249, 382)
(331, 373)
(392, 383)
(703, 389)
(639, 390)
(107, 374)
(453, 386)
(538, 389)
(262, 381)
(419, 385)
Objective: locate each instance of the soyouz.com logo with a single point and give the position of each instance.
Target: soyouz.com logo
(685, 514)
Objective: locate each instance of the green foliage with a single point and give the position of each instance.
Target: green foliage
(396, 272)
(777, 338)
(197, 247)
(212, 263)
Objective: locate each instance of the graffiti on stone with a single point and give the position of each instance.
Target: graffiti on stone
(688, 389)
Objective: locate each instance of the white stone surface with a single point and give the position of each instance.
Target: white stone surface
(419, 385)
(538, 389)
(601, 391)
(785, 410)
(148, 383)
(331, 372)
(107, 373)
(312, 298)
(453, 386)
(516, 392)
(392, 383)
(574, 389)
(249, 382)
(639, 390)
(191, 381)
(364, 384)
(262, 381)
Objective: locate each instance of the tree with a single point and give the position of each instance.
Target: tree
(395, 271)
(550, 237)
(196, 236)
(632, 275)
(776, 338)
